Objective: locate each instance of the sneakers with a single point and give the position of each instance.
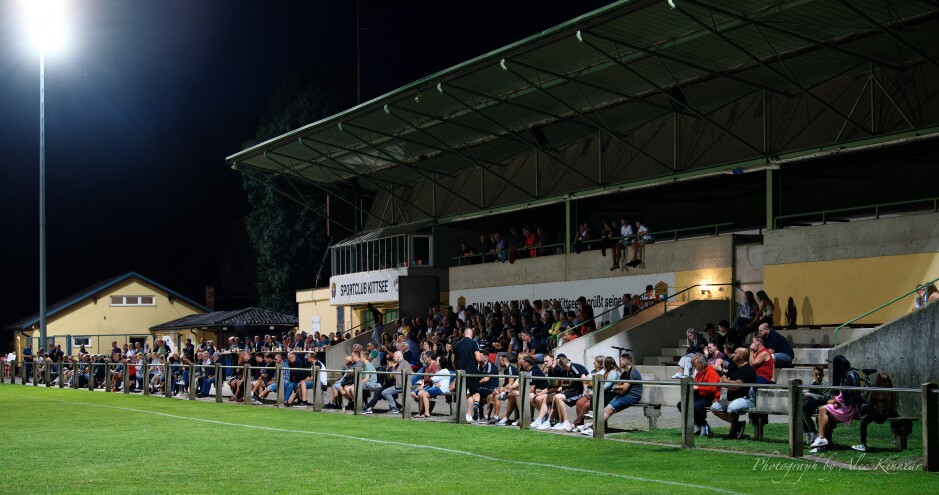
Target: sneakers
(587, 432)
(634, 263)
(482, 421)
(697, 429)
(494, 420)
(614, 268)
(475, 412)
(564, 426)
(503, 422)
(257, 402)
(741, 427)
(679, 376)
(367, 410)
(394, 411)
(589, 415)
(819, 442)
(860, 447)
(817, 450)
(534, 424)
(515, 423)
(705, 430)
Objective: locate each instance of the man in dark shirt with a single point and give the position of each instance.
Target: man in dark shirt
(733, 400)
(778, 345)
(570, 392)
(466, 357)
(189, 350)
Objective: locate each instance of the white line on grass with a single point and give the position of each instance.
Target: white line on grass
(410, 445)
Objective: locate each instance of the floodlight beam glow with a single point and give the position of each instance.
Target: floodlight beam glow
(45, 23)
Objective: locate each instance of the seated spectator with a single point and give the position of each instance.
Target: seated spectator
(569, 393)
(777, 345)
(606, 236)
(542, 400)
(882, 406)
(812, 399)
(507, 392)
(843, 407)
(468, 252)
(649, 297)
(308, 383)
(538, 384)
(619, 249)
(748, 310)
(600, 364)
(695, 344)
(711, 335)
(714, 356)
(292, 379)
(925, 294)
(762, 360)
(622, 395)
(486, 388)
(439, 383)
(486, 246)
(733, 401)
(727, 334)
(581, 238)
(764, 313)
(500, 248)
(643, 238)
(369, 379)
(268, 377)
(704, 395)
(394, 386)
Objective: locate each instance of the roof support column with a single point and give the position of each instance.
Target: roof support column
(567, 226)
(769, 199)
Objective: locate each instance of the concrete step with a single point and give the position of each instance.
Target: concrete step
(811, 356)
(784, 375)
(672, 351)
(658, 360)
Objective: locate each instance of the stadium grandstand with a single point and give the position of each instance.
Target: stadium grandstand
(640, 182)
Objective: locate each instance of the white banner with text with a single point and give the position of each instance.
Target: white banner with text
(365, 287)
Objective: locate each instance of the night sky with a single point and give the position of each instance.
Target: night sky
(151, 96)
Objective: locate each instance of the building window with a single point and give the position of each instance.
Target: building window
(132, 301)
(81, 341)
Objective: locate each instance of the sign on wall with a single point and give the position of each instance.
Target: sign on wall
(365, 287)
(602, 294)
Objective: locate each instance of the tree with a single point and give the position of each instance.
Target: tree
(290, 238)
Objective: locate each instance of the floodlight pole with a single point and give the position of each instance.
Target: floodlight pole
(42, 199)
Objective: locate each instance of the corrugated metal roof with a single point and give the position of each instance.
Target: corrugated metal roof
(618, 68)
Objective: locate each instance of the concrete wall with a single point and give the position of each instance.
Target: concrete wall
(315, 302)
(905, 349)
(706, 257)
(837, 272)
(577, 348)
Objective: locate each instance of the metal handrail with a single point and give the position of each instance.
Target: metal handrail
(882, 306)
(674, 232)
(663, 301)
(876, 208)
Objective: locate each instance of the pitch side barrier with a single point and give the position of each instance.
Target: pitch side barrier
(55, 377)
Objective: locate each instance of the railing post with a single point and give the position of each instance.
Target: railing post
(280, 385)
(35, 374)
(246, 383)
(795, 418)
(145, 377)
(357, 391)
(596, 404)
(167, 376)
(193, 381)
(524, 402)
(23, 372)
(126, 381)
(459, 396)
(930, 427)
(687, 413)
(107, 377)
(218, 383)
(406, 400)
(91, 376)
(317, 392)
(46, 373)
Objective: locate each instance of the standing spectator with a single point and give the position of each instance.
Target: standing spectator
(581, 238)
(466, 357)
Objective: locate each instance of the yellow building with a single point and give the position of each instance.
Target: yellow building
(119, 309)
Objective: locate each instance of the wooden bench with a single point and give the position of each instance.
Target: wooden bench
(900, 427)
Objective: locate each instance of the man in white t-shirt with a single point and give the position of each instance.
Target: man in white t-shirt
(626, 232)
(644, 238)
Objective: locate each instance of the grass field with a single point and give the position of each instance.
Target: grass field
(75, 441)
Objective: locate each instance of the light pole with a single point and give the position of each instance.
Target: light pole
(44, 19)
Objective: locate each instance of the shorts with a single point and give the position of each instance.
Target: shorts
(433, 392)
(621, 402)
(736, 406)
(272, 387)
(486, 391)
(572, 396)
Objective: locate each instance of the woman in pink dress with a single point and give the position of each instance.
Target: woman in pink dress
(844, 407)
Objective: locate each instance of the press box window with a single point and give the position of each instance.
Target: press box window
(81, 341)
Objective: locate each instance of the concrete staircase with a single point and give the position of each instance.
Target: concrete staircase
(811, 347)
